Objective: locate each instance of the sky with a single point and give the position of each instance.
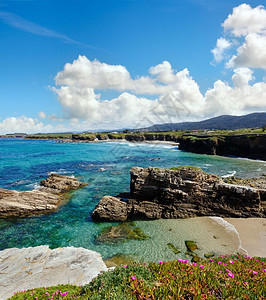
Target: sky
(109, 64)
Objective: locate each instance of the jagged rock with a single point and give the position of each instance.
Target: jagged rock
(181, 193)
(110, 209)
(56, 183)
(47, 199)
(33, 267)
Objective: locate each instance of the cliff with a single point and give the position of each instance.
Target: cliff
(180, 193)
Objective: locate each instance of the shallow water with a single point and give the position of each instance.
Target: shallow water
(105, 166)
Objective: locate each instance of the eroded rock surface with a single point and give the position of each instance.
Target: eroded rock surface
(27, 268)
(56, 184)
(47, 199)
(181, 193)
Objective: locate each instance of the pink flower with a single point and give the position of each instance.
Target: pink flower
(180, 260)
(231, 261)
(125, 266)
(211, 259)
(133, 277)
(264, 270)
(194, 264)
(191, 272)
(230, 275)
(185, 261)
(63, 294)
(254, 272)
(161, 262)
(219, 262)
(245, 282)
(201, 266)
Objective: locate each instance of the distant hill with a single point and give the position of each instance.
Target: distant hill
(224, 122)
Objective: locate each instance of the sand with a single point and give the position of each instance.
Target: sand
(252, 232)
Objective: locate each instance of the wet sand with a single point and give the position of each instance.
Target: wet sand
(252, 232)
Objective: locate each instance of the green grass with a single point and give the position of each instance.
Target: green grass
(226, 277)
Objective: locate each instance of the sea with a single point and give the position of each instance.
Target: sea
(105, 166)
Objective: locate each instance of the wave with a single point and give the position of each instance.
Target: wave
(229, 228)
(229, 174)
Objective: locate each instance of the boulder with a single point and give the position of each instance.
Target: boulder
(110, 209)
(34, 267)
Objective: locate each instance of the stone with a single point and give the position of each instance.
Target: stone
(57, 184)
(110, 209)
(191, 246)
(22, 204)
(182, 192)
(33, 267)
(173, 248)
(45, 200)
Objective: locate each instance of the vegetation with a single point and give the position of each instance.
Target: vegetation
(230, 277)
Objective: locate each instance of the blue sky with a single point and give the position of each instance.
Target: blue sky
(131, 63)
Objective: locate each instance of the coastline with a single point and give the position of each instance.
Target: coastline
(252, 233)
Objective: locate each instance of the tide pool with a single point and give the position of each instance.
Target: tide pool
(105, 166)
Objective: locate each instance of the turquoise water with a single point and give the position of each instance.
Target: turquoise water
(105, 166)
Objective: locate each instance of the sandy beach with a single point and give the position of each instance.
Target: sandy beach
(252, 232)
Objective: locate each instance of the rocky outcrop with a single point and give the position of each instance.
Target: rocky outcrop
(57, 184)
(34, 267)
(47, 199)
(181, 193)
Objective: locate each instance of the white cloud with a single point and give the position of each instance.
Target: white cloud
(245, 20)
(248, 23)
(221, 46)
(241, 99)
(23, 125)
(251, 54)
(177, 95)
(42, 115)
(242, 77)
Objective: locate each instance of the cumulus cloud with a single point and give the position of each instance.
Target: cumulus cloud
(245, 20)
(248, 23)
(240, 99)
(221, 46)
(176, 95)
(23, 125)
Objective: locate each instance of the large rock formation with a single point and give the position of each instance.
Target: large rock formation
(181, 193)
(47, 199)
(33, 267)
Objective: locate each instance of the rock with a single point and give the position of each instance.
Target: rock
(173, 248)
(181, 192)
(110, 209)
(191, 246)
(119, 234)
(45, 200)
(33, 267)
(56, 183)
(22, 204)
